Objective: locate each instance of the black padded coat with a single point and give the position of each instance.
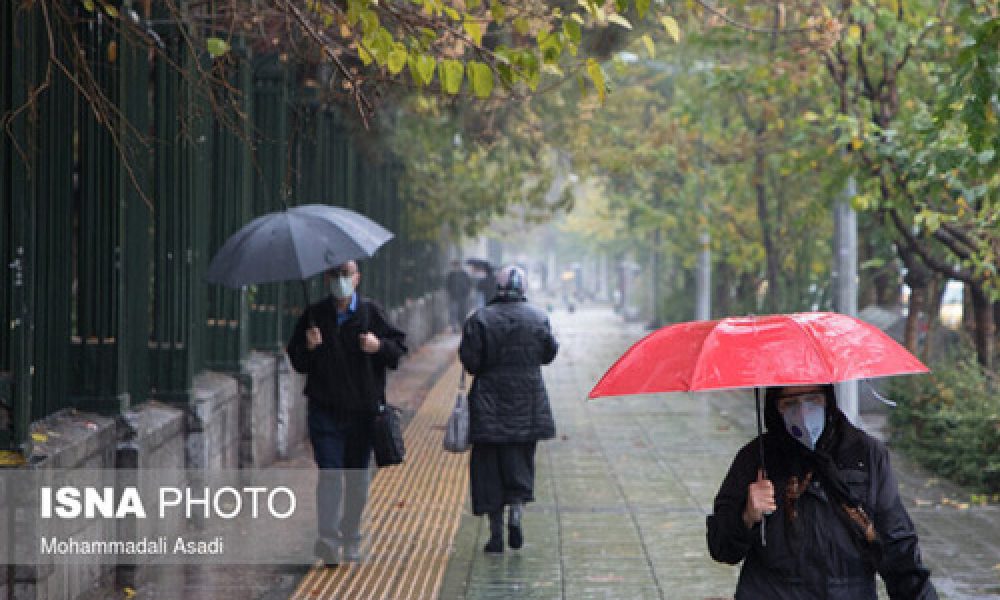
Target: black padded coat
(504, 345)
(340, 376)
(816, 555)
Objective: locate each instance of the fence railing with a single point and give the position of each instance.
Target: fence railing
(108, 220)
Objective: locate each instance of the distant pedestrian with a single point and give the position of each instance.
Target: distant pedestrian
(344, 344)
(486, 285)
(836, 517)
(504, 345)
(457, 284)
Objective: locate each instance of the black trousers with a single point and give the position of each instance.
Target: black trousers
(501, 474)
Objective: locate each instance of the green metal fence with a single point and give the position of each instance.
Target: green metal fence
(105, 239)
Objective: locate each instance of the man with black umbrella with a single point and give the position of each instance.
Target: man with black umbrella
(343, 344)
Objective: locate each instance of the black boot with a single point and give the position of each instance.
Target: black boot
(515, 536)
(495, 545)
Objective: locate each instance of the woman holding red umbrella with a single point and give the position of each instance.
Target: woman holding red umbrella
(833, 513)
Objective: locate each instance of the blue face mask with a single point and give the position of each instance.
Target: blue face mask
(804, 422)
(342, 287)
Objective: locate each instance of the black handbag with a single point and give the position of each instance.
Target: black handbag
(387, 427)
(387, 436)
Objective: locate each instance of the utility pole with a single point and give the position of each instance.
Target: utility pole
(845, 280)
(703, 305)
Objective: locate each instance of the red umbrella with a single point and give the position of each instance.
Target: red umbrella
(740, 352)
(757, 352)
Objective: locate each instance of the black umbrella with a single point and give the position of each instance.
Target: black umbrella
(480, 263)
(296, 243)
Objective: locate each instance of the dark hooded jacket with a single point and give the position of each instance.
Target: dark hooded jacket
(340, 377)
(504, 345)
(815, 548)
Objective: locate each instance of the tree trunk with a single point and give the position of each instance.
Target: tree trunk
(886, 283)
(918, 279)
(935, 293)
(774, 287)
(983, 309)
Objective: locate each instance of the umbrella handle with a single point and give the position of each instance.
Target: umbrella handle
(305, 294)
(760, 443)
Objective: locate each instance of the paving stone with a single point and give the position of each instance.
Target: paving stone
(624, 489)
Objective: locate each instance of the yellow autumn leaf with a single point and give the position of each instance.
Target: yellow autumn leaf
(11, 459)
(39, 437)
(856, 143)
(650, 46)
(810, 116)
(619, 20)
(673, 29)
(854, 32)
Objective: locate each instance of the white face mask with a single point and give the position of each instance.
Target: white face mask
(804, 422)
(342, 287)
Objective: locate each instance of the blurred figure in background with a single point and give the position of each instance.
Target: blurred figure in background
(457, 284)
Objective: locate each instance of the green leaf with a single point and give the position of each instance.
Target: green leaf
(572, 30)
(369, 22)
(472, 4)
(481, 79)
(397, 58)
(216, 46)
(364, 55)
(452, 13)
(422, 68)
(621, 5)
(596, 74)
(473, 30)
(673, 29)
(642, 7)
(450, 73)
(497, 10)
(522, 26)
(872, 263)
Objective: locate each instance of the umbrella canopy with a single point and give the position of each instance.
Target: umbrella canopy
(296, 243)
(480, 263)
(766, 351)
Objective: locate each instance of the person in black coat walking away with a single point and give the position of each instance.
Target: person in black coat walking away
(833, 513)
(504, 345)
(457, 284)
(344, 344)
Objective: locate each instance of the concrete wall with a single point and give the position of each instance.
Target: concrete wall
(258, 410)
(292, 409)
(213, 424)
(150, 436)
(67, 440)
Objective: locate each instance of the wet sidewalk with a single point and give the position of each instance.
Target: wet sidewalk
(623, 491)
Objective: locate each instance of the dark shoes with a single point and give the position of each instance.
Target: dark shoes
(515, 537)
(326, 553)
(495, 545)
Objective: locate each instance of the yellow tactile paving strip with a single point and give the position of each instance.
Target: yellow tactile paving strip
(412, 515)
